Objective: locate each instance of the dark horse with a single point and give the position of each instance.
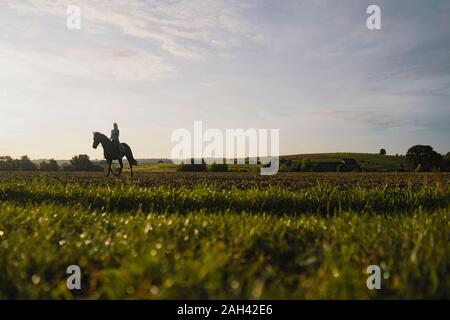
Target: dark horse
(110, 152)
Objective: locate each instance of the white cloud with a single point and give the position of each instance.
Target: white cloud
(115, 62)
(188, 29)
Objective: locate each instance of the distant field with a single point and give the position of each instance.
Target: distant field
(368, 161)
(290, 181)
(171, 167)
(224, 235)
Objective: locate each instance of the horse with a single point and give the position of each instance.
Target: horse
(110, 152)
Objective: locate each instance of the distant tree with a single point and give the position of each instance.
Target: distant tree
(81, 163)
(306, 165)
(67, 167)
(51, 165)
(383, 152)
(288, 165)
(191, 167)
(43, 166)
(9, 164)
(283, 167)
(445, 163)
(296, 166)
(26, 164)
(217, 167)
(425, 156)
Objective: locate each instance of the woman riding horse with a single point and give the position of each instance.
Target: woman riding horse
(114, 150)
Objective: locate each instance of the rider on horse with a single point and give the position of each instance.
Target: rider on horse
(115, 138)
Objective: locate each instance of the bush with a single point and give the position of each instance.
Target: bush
(218, 167)
(191, 167)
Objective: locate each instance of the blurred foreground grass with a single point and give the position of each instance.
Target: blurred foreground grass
(220, 255)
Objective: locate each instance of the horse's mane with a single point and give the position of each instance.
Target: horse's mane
(101, 134)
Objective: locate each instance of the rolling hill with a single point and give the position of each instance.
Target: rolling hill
(367, 161)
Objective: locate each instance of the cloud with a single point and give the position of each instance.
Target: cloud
(116, 62)
(189, 29)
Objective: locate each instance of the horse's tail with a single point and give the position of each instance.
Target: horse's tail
(129, 154)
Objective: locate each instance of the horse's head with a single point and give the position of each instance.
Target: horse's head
(96, 140)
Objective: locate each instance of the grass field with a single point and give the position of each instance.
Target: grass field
(224, 235)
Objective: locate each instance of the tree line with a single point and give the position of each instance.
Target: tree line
(77, 163)
(421, 158)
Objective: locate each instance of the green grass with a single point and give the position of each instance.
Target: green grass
(214, 241)
(220, 255)
(152, 167)
(277, 200)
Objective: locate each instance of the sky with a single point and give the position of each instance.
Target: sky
(309, 68)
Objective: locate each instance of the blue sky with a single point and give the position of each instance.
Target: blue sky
(310, 68)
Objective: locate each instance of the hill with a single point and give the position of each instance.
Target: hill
(367, 161)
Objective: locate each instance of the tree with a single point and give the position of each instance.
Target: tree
(9, 164)
(425, 156)
(191, 167)
(217, 167)
(26, 164)
(306, 165)
(51, 165)
(383, 152)
(82, 163)
(445, 163)
(288, 165)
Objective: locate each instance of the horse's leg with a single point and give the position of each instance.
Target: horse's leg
(121, 166)
(131, 169)
(112, 170)
(109, 167)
